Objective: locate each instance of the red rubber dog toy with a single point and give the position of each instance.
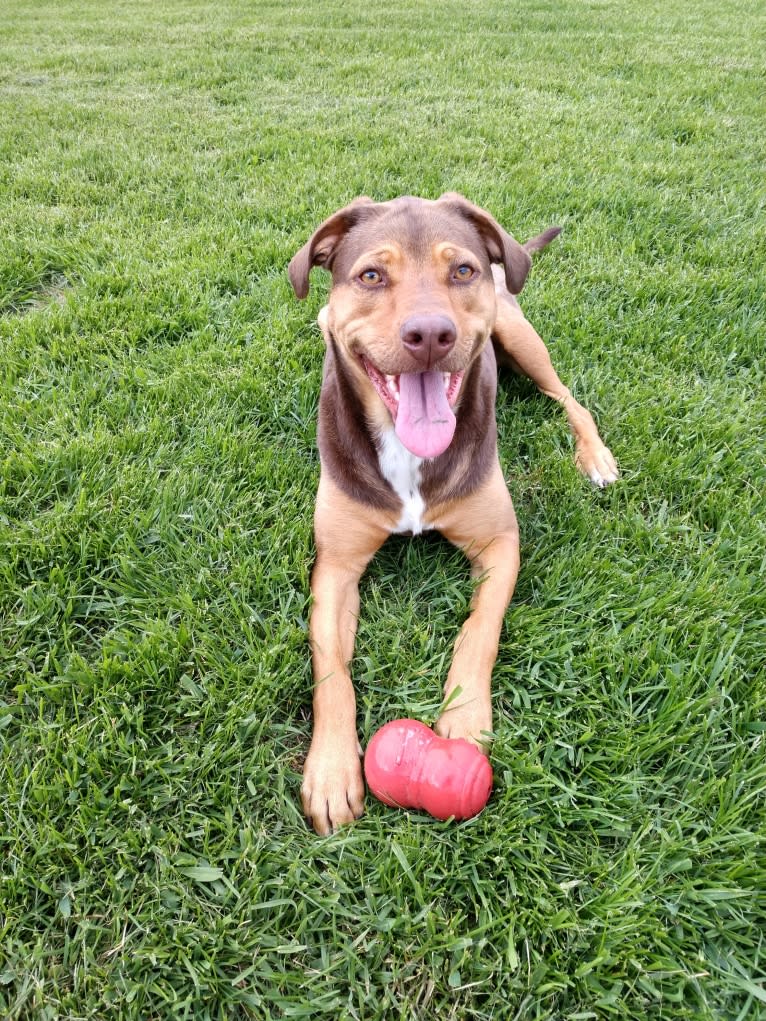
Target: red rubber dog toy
(408, 766)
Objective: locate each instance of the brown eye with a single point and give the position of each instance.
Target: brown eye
(463, 273)
(371, 277)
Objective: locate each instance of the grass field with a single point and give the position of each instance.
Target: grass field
(159, 164)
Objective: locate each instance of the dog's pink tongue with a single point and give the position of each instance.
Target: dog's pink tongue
(425, 423)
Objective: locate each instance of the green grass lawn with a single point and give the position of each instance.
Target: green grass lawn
(160, 162)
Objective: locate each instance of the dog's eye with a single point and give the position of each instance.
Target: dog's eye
(463, 273)
(371, 277)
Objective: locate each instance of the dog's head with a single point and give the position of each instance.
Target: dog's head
(412, 303)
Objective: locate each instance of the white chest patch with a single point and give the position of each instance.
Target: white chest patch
(401, 470)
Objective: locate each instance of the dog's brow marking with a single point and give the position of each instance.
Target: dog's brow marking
(401, 470)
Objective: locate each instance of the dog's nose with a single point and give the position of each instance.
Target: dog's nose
(428, 338)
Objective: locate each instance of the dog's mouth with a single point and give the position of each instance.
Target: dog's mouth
(421, 406)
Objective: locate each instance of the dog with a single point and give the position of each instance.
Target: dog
(423, 294)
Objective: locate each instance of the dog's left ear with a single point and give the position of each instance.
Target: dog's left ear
(501, 246)
(320, 248)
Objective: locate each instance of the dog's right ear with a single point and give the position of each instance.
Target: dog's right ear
(320, 248)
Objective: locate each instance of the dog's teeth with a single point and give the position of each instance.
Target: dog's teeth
(391, 386)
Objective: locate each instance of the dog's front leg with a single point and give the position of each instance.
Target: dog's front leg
(333, 788)
(484, 527)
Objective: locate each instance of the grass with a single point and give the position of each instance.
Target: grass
(159, 165)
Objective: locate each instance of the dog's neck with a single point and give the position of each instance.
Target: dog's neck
(355, 455)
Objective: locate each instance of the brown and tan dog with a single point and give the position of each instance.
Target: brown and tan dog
(407, 442)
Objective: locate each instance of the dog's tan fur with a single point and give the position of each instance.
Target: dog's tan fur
(415, 244)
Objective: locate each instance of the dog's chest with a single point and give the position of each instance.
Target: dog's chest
(402, 471)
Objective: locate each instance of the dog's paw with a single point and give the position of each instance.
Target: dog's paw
(332, 792)
(470, 719)
(597, 463)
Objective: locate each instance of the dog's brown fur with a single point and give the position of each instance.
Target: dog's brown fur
(391, 261)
